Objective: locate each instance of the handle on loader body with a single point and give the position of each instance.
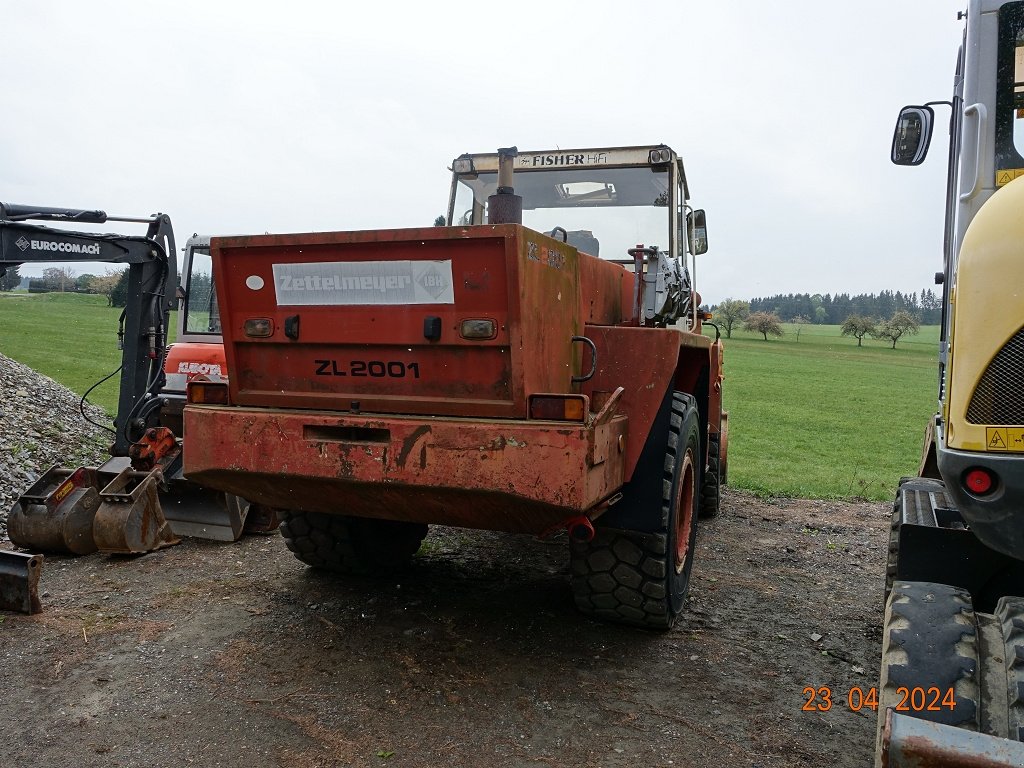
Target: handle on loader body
(593, 359)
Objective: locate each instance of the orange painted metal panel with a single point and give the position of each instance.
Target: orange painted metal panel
(645, 362)
(521, 476)
(525, 282)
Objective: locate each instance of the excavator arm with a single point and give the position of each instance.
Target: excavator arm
(152, 273)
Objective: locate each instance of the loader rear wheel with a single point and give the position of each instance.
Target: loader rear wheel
(640, 578)
(353, 545)
(711, 488)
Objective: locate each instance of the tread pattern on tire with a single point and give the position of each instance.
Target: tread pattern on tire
(623, 576)
(620, 576)
(711, 488)
(349, 544)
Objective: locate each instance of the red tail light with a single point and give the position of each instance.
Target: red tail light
(979, 481)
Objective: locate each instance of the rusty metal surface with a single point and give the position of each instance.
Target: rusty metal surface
(909, 742)
(154, 445)
(644, 362)
(130, 519)
(377, 355)
(56, 513)
(519, 476)
(19, 582)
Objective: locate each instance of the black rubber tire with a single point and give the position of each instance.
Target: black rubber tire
(355, 545)
(637, 578)
(711, 488)
(930, 640)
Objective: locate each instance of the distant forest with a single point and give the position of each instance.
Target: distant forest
(926, 306)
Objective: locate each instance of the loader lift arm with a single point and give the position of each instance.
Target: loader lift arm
(151, 269)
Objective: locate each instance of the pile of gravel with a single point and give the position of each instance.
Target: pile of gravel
(40, 425)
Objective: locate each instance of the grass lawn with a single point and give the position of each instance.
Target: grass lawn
(816, 417)
(822, 417)
(72, 338)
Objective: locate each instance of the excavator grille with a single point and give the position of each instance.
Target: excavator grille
(999, 396)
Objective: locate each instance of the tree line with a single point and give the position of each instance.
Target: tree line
(113, 284)
(829, 309)
(732, 313)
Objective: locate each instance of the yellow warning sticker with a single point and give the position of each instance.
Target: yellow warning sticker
(1006, 175)
(1005, 439)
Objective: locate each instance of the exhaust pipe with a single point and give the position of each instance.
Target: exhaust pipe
(505, 206)
(580, 529)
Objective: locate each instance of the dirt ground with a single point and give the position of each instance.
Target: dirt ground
(238, 655)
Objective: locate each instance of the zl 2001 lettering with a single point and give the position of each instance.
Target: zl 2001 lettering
(377, 369)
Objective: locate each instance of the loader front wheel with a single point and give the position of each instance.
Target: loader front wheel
(354, 545)
(711, 488)
(640, 578)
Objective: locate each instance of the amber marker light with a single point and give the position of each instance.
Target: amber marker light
(558, 407)
(207, 393)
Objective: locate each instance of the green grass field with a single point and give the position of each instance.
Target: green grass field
(816, 418)
(72, 338)
(822, 417)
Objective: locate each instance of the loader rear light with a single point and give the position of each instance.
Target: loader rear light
(660, 156)
(478, 329)
(559, 407)
(463, 165)
(200, 392)
(259, 327)
(979, 481)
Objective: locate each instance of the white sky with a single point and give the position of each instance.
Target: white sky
(249, 117)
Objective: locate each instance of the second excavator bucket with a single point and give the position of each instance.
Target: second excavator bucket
(130, 519)
(56, 513)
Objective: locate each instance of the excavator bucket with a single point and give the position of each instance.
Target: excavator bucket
(19, 582)
(56, 513)
(195, 511)
(130, 519)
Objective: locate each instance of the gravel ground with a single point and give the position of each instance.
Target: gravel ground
(238, 655)
(40, 425)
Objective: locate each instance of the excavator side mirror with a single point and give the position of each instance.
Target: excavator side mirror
(912, 136)
(697, 226)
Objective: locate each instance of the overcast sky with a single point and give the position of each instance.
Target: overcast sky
(299, 116)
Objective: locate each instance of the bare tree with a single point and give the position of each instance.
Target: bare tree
(902, 323)
(764, 323)
(859, 326)
(800, 321)
(59, 278)
(730, 313)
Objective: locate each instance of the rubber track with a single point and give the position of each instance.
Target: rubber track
(931, 640)
(1010, 612)
(915, 503)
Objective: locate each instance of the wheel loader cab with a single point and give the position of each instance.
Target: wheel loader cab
(640, 192)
